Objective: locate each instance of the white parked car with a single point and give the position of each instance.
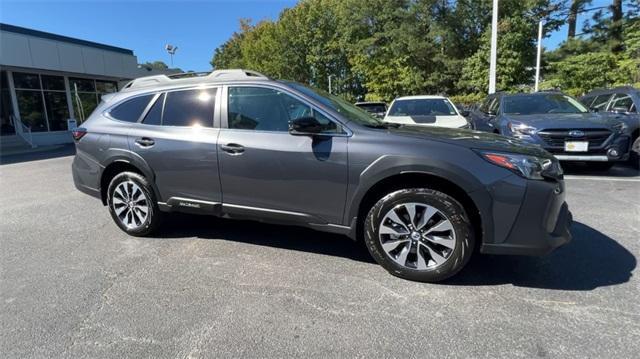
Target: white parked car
(426, 111)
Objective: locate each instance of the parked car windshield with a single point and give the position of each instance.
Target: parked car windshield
(540, 104)
(346, 109)
(422, 107)
(372, 107)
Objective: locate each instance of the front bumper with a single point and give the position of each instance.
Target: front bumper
(542, 224)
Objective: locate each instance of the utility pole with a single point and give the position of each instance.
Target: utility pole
(539, 55)
(494, 48)
(330, 76)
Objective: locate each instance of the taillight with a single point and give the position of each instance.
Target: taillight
(78, 133)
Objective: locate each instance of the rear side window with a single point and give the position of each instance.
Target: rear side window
(154, 116)
(189, 108)
(131, 110)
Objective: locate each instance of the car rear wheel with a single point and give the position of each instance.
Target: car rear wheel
(132, 204)
(419, 234)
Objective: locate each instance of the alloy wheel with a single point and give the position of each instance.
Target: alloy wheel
(130, 204)
(417, 236)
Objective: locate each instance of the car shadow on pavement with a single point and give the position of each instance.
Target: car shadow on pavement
(591, 260)
(621, 170)
(179, 225)
(38, 153)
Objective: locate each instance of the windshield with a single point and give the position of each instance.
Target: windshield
(422, 107)
(372, 107)
(346, 109)
(540, 104)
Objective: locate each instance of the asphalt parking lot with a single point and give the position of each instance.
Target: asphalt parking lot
(73, 285)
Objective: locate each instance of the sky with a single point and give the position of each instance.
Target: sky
(196, 27)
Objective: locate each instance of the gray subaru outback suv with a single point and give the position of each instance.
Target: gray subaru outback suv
(234, 143)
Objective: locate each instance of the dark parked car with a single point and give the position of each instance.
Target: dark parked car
(237, 144)
(621, 100)
(558, 123)
(378, 109)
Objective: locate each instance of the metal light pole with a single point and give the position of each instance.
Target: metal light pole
(171, 50)
(494, 48)
(539, 55)
(330, 76)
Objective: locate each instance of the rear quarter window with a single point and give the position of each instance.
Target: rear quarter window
(130, 110)
(189, 108)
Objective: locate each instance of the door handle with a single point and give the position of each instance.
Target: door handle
(232, 148)
(145, 142)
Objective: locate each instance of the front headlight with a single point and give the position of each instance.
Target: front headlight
(529, 167)
(519, 128)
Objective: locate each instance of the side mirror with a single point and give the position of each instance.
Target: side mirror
(464, 113)
(306, 126)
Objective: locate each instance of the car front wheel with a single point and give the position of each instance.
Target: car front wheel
(132, 204)
(419, 234)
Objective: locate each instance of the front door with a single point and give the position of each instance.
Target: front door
(177, 139)
(268, 172)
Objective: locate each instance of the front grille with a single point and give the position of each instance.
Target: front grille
(557, 137)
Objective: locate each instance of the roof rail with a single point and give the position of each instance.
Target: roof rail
(193, 77)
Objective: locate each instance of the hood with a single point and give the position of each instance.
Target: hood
(567, 120)
(471, 139)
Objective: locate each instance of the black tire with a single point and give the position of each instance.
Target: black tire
(447, 205)
(601, 166)
(153, 218)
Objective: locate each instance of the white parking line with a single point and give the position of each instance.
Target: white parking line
(608, 179)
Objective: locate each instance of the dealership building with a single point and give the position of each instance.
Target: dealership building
(51, 83)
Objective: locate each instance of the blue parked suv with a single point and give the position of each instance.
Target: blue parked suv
(558, 123)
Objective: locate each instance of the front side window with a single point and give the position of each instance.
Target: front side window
(263, 109)
(131, 110)
(189, 108)
(422, 107)
(541, 104)
(600, 102)
(621, 102)
(348, 110)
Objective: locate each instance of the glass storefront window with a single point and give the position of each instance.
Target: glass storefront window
(84, 103)
(31, 109)
(106, 86)
(42, 99)
(26, 81)
(53, 82)
(6, 109)
(82, 85)
(57, 110)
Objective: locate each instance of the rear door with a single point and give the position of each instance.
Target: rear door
(177, 138)
(267, 172)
